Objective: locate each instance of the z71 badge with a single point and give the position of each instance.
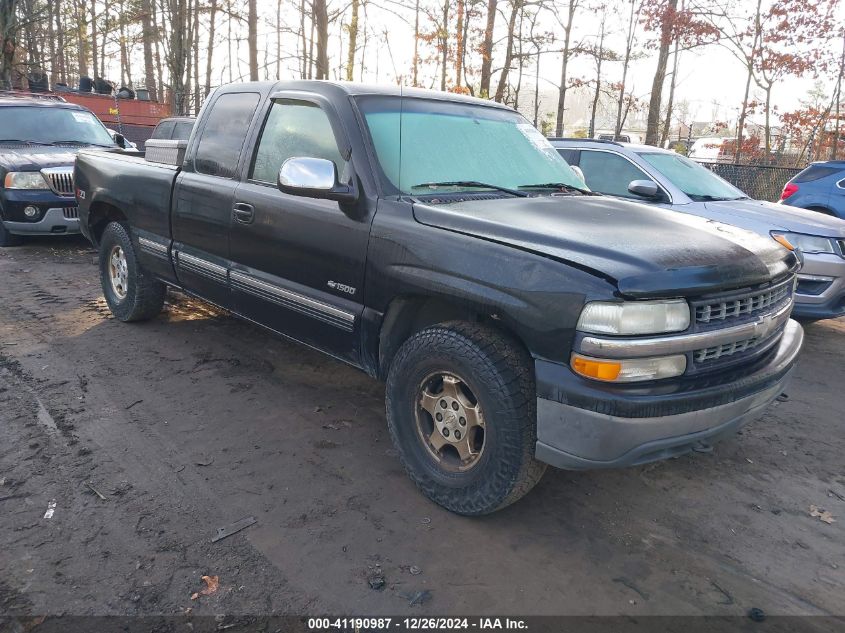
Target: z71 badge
(342, 287)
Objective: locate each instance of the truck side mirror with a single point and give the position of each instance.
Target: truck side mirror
(314, 178)
(119, 140)
(643, 188)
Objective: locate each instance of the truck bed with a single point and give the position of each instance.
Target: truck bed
(140, 188)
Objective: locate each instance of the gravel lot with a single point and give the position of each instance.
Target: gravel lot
(149, 437)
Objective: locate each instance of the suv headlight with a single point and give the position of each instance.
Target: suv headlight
(635, 317)
(804, 243)
(25, 180)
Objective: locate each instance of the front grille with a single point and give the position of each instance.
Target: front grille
(728, 349)
(60, 180)
(745, 304)
(71, 213)
(842, 247)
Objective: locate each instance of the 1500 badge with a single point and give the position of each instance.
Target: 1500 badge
(342, 287)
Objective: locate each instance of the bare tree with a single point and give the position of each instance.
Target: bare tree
(567, 52)
(630, 39)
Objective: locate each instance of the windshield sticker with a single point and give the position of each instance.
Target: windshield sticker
(83, 117)
(535, 136)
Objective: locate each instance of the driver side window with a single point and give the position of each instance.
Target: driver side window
(294, 129)
(610, 173)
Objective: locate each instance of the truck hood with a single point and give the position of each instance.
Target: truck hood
(645, 251)
(36, 157)
(761, 216)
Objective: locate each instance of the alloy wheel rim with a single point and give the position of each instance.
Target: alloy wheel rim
(450, 422)
(118, 272)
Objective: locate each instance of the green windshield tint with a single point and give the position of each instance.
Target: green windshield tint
(421, 141)
(694, 180)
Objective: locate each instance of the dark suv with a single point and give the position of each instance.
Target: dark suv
(40, 139)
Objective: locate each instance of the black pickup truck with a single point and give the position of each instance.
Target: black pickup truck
(440, 243)
(39, 139)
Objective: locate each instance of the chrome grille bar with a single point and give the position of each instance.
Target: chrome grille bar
(60, 180)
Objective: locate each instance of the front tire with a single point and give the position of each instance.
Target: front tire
(131, 293)
(9, 239)
(461, 410)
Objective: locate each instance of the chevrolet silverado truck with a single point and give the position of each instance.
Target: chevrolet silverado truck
(39, 139)
(441, 244)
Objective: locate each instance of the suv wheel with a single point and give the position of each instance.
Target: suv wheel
(461, 409)
(131, 293)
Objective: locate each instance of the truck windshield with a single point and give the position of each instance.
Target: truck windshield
(53, 126)
(430, 146)
(697, 182)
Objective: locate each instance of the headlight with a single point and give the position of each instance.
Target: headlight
(635, 317)
(25, 180)
(804, 243)
(632, 370)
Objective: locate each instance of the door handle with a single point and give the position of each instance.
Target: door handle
(243, 213)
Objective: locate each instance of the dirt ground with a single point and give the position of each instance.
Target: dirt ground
(146, 438)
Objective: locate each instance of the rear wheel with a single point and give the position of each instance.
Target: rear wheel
(9, 239)
(131, 293)
(461, 409)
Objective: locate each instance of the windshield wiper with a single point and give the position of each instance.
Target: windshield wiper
(703, 197)
(471, 183)
(24, 141)
(560, 185)
(75, 142)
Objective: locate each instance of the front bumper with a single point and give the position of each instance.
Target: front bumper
(821, 287)
(583, 424)
(55, 221)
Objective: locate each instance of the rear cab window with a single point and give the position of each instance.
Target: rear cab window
(163, 130)
(225, 133)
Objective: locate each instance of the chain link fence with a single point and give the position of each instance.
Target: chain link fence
(761, 182)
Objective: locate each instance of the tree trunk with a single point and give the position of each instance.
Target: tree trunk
(667, 124)
(321, 19)
(212, 19)
(838, 99)
(740, 126)
(487, 50)
(503, 76)
(416, 44)
(353, 42)
(459, 43)
(666, 29)
(444, 45)
(8, 33)
(629, 46)
(561, 95)
(537, 91)
(94, 46)
(278, 39)
(253, 40)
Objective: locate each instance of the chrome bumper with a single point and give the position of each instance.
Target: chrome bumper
(573, 437)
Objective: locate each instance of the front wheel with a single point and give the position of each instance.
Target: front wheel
(131, 293)
(461, 409)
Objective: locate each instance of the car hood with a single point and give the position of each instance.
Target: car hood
(35, 157)
(646, 252)
(762, 217)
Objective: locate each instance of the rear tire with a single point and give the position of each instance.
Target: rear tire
(131, 293)
(480, 374)
(9, 239)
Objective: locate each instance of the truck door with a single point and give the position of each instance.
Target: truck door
(203, 197)
(297, 262)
